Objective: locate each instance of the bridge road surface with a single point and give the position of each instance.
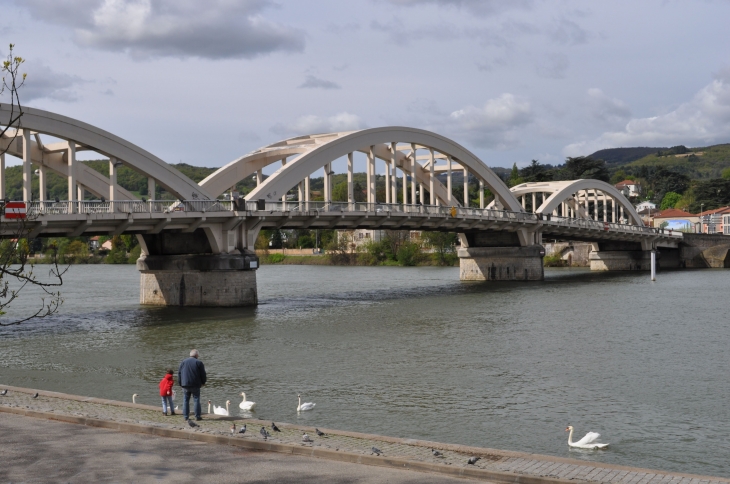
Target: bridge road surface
(35, 450)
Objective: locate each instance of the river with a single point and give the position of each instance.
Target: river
(413, 352)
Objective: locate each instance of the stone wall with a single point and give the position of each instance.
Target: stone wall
(576, 254)
(705, 250)
(501, 263)
(192, 288)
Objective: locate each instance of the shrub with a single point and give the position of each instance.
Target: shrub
(134, 255)
(275, 258)
(116, 256)
(553, 260)
(409, 254)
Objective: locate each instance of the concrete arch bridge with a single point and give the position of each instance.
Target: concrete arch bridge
(198, 249)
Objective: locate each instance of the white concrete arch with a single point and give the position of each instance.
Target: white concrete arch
(342, 144)
(564, 191)
(97, 139)
(227, 176)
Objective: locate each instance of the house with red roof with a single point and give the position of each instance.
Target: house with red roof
(676, 219)
(629, 188)
(716, 221)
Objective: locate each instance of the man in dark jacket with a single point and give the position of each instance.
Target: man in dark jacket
(191, 376)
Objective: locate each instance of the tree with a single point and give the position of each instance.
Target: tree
(585, 167)
(726, 173)
(16, 271)
(443, 244)
(535, 172)
(670, 200)
(514, 177)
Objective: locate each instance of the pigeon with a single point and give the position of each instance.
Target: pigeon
(274, 427)
(264, 433)
(375, 450)
(233, 428)
(305, 438)
(319, 432)
(473, 460)
(243, 429)
(192, 424)
(35, 396)
(4, 392)
(436, 453)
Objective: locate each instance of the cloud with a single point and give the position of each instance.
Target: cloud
(705, 119)
(605, 109)
(45, 83)
(400, 34)
(553, 66)
(312, 124)
(495, 124)
(312, 82)
(184, 28)
(477, 7)
(569, 33)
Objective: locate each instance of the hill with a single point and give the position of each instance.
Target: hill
(622, 156)
(696, 163)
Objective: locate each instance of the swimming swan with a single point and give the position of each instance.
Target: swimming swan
(304, 406)
(246, 404)
(587, 442)
(221, 410)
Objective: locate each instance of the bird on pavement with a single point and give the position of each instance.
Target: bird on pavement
(192, 424)
(305, 437)
(274, 427)
(436, 453)
(319, 433)
(233, 428)
(243, 429)
(375, 450)
(473, 460)
(264, 433)
(4, 392)
(35, 396)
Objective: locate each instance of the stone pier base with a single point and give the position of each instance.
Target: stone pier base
(621, 260)
(198, 280)
(501, 263)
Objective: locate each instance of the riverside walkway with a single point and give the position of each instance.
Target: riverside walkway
(345, 448)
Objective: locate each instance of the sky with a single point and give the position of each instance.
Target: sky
(205, 82)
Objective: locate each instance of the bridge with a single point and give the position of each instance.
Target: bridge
(198, 249)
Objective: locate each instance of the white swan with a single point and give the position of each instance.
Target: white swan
(134, 398)
(587, 442)
(208, 406)
(246, 404)
(304, 406)
(221, 410)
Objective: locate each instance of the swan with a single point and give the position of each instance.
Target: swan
(587, 442)
(246, 404)
(134, 398)
(221, 410)
(208, 406)
(304, 406)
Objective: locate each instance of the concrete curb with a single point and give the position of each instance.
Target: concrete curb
(333, 455)
(340, 456)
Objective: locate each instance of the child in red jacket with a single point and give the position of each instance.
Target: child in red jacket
(166, 393)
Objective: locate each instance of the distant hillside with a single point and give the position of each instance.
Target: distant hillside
(622, 156)
(696, 163)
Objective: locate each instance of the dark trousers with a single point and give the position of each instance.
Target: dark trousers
(187, 392)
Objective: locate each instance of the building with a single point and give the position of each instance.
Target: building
(629, 188)
(363, 236)
(646, 205)
(716, 221)
(676, 219)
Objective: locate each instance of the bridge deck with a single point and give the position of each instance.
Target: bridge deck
(96, 217)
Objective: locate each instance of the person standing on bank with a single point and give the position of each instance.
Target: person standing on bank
(191, 376)
(166, 393)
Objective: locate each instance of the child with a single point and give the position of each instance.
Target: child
(166, 393)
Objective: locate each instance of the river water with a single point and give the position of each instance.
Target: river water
(413, 352)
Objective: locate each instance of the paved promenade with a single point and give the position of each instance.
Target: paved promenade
(80, 453)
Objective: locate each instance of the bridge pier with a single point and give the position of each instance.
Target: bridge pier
(181, 269)
(501, 263)
(620, 256)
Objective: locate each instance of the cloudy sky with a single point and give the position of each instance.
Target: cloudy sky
(204, 82)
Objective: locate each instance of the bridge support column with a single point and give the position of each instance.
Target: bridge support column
(501, 263)
(620, 256)
(221, 280)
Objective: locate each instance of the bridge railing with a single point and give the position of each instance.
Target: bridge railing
(127, 206)
(609, 226)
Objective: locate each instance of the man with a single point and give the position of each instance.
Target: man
(191, 376)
